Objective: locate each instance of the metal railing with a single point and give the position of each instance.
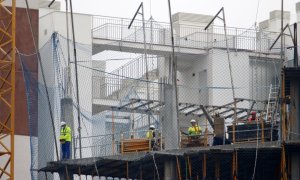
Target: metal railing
(185, 35)
(123, 79)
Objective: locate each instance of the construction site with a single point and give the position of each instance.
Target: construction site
(131, 89)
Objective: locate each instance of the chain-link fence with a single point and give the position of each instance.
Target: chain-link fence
(231, 105)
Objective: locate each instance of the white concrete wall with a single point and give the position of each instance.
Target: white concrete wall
(190, 90)
(53, 21)
(221, 76)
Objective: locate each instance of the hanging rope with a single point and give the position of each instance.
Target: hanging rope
(33, 34)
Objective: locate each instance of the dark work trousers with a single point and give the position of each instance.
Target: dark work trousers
(65, 147)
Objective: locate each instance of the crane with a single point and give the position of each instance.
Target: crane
(7, 88)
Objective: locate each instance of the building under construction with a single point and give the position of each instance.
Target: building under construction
(112, 78)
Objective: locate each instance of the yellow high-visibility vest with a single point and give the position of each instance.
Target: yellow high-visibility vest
(194, 130)
(65, 134)
(150, 134)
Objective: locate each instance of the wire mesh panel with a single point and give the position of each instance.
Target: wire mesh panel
(125, 103)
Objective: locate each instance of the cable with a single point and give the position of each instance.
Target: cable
(257, 126)
(43, 75)
(155, 166)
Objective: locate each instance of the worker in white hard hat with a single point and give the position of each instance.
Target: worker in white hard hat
(65, 140)
(194, 129)
(151, 135)
(151, 132)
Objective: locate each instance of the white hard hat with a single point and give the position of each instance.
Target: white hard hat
(62, 123)
(193, 120)
(152, 127)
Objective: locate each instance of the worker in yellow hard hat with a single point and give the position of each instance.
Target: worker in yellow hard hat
(194, 129)
(65, 140)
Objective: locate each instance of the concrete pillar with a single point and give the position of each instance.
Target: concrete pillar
(295, 127)
(170, 170)
(295, 112)
(67, 116)
(169, 121)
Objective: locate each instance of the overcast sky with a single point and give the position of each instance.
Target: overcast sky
(239, 13)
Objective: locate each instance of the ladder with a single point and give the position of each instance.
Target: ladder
(272, 103)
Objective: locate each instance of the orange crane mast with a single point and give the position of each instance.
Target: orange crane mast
(7, 88)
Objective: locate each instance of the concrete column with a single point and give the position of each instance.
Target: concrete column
(169, 121)
(170, 170)
(67, 116)
(295, 127)
(295, 111)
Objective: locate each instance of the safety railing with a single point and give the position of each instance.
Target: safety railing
(185, 35)
(110, 143)
(113, 83)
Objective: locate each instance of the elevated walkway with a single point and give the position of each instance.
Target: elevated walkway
(109, 33)
(101, 44)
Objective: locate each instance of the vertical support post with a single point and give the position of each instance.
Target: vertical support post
(79, 172)
(76, 76)
(46, 176)
(282, 58)
(283, 124)
(146, 62)
(217, 169)
(178, 168)
(295, 45)
(113, 131)
(190, 167)
(204, 166)
(141, 172)
(263, 130)
(64, 175)
(141, 7)
(234, 165)
(67, 173)
(231, 79)
(283, 163)
(127, 171)
(68, 83)
(174, 76)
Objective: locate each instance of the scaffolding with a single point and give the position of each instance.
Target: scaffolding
(7, 89)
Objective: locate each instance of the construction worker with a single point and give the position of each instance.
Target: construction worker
(151, 135)
(194, 129)
(65, 140)
(151, 132)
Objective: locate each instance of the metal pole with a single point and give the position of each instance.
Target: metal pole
(281, 45)
(43, 76)
(281, 57)
(76, 75)
(231, 77)
(69, 90)
(295, 45)
(174, 69)
(146, 62)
